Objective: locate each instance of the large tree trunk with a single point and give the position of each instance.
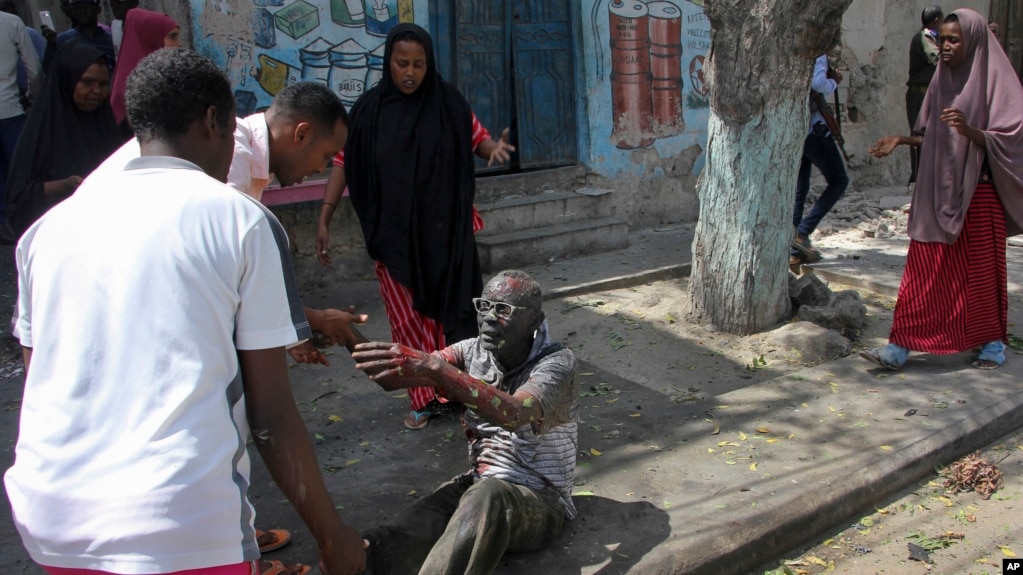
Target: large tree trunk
(759, 72)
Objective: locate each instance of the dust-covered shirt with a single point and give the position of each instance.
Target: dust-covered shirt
(536, 455)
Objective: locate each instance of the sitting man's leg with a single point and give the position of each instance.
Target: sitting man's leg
(495, 516)
(400, 546)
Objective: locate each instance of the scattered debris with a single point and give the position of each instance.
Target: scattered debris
(973, 473)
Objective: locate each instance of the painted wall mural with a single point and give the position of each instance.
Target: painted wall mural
(266, 45)
(645, 75)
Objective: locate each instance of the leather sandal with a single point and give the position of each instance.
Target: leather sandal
(273, 567)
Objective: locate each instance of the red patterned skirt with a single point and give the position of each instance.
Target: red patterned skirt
(953, 297)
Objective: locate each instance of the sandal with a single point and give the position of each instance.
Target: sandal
(272, 539)
(417, 419)
(986, 364)
(874, 355)
(268, 567)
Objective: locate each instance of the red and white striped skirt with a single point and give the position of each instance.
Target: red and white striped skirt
(953, 297)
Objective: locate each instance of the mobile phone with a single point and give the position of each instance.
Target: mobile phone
(45, 19)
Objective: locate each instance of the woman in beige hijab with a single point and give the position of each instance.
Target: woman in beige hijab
(968, 199)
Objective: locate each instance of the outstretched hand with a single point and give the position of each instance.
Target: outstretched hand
(502, 150)
(884, 146)
(382, 360)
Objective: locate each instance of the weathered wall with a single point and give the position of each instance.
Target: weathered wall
(645, 103)
(874, 54)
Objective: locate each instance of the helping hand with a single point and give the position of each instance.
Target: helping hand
(307, 353)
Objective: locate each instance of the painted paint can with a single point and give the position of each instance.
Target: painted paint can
(666, 67)
(315, 59)
(381, 16)
(630, 74)
(406, 12)
(375, 66)
(347, 12)
(274, 75)
(348, 71)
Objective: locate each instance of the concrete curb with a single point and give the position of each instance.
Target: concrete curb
(818, 508)
(621, 282)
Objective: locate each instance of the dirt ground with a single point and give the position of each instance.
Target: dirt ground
(627, 332)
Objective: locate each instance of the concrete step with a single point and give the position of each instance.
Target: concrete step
(495, 188)
(547, 209)
(561, 241)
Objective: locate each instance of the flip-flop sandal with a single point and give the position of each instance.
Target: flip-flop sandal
(985, 364)
(278, 568)
(874, 356)
(281, 537)
(417, 419)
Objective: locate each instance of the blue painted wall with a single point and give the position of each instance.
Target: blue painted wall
(641, 64)
(267, 44)
(638, 63)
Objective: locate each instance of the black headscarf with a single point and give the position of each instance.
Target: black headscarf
(409, 169)
(59, 140)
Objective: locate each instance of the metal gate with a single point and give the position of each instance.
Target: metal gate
(513, 60)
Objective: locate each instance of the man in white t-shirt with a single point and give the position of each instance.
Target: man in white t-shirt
(148, 361)
(296, 137)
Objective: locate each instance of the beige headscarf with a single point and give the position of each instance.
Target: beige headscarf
(985, 88)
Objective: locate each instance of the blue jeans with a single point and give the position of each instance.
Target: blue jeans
(10, 131)
(819, 150)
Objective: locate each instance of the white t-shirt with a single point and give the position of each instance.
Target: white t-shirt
(134, 295)
(250, 165)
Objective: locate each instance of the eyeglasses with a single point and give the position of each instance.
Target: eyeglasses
(501, 309)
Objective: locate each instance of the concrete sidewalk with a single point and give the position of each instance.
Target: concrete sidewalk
(715, 486)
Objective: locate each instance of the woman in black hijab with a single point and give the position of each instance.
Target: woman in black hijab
(69, 131)
(410, 174)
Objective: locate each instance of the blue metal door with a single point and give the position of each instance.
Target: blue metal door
(544, 82)
(513, 62)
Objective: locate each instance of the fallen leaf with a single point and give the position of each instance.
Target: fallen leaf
(583, 494)
(886, 448)
(596, 453)
(752, 466)
(762, 429)
(817, 561)
(1006, 551)
(742, 436)
(335, 418)
(352, 461)
(635, 414)
(727, 443)
(717, 429)
(319, 437)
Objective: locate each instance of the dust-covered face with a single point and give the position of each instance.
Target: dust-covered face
(507, 315)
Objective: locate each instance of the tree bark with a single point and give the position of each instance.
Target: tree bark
(759, 72)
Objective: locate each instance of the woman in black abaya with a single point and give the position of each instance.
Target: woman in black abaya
(69, 131)
(410, 174)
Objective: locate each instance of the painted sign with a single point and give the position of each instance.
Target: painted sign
(644, 77)
(266, 45)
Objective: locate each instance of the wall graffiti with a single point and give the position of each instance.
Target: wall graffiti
(656, 50)
(266, 45)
